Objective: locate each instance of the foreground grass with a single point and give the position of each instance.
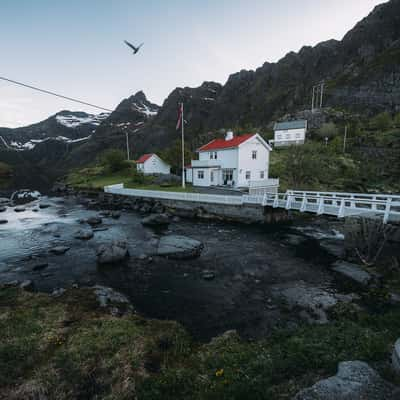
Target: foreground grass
(68, 347)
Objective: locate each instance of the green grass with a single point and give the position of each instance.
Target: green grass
(68, 347)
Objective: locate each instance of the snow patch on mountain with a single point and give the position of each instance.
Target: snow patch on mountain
(31, 144)
(144, 109)
(73, 121)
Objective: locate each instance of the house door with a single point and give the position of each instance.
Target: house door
(212, 178)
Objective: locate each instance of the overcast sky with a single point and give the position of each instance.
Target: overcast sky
(76, 48)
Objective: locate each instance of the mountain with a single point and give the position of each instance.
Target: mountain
(361, 74)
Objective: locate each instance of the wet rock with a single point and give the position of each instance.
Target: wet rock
(25, 196)
(112, 253)
(58, 292)
(4, 200)
(115, 215)
(12, 283)
(353, 272)
(19, 209)
(179, 247)
(105, 213)
(207, 275)
(84, 234)
(40, 266)
(110, 297)
(100, 229)
(156, 220)
(333, 247)
(2, 208)
(27, 285)
(355, 380)
(59, 250)
(176, 219)
(44, 205)
(93, 221)
(3, 221)
(396, 357)
(294, 240)
(158, 208)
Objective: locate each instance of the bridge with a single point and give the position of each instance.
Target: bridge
(338, 204)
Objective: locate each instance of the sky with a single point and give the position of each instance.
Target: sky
(75, 47)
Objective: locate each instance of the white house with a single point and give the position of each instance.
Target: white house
(152, 164)
(233, 161)
(289, 133)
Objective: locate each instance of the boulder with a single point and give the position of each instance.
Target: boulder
(3, 221)
(84, 234)
(333, 247)
(4, 200)
(93, 221)
(27, 285)
(112, 253)
(24, 196)
(115, 215)
(19, 209)
(2, 208)
(355, 380)
(396, 357)
(59, 250)
(40, 266)
(107, 296)
(44, 205)
(179, 247)
(353, 272)
(156, 220)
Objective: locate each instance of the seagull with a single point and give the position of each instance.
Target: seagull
(135, 49)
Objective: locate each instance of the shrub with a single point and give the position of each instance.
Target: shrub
(114, 160)
(328, 130)
(382, 121)
(5, 170)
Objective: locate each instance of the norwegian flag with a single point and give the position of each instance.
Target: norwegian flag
(180, 116)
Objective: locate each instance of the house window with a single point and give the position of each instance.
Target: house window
(200, 174)
(227, 175)
(211, 155)
(248, 175)
(254, 154)
(215, 155)
(261, 174)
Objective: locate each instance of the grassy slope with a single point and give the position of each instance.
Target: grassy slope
(68, 347)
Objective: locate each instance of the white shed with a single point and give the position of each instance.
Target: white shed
(152, 164)
(289, 133)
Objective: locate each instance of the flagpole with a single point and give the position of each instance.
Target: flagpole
(183, 149)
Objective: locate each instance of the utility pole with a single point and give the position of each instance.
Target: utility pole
(312, 101)
(345, 139)
(322, 94)
(183, 148)
(127, 145)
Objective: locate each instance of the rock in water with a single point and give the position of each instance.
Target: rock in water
(179, 247)
(156, 220)
(59, 250)
(44, 205)
(84, 234)
(396, 357)
(355, 380)
(19, 209)
(3, 221)
(353, 272)
(112, 253)
(24, 196)
(93, 221)
(2, 208)
(27, 285)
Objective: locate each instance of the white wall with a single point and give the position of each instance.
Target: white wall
(154, 165)
(290, 135)
(201, 182)
(246, 162)
(189, 175)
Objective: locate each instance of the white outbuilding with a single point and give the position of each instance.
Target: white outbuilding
(152, 164)
(290, 133)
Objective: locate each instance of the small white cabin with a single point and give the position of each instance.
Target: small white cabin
(152, 164)
(290, 133)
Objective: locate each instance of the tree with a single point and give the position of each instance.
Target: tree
(328, 130)
(173, 155)
(113, 160)
(396, 120)
(382, 121)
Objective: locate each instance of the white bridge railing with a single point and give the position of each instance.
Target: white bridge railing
(337, 204)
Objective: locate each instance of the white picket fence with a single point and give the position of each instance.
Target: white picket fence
(338, 204)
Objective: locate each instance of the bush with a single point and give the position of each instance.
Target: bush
(382, 121)
(114, 160)
(5, 170)
(328, 130)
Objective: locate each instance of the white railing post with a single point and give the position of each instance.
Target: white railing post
(341, 209)
(320, 205)
(352, 203)
(374, 204)
(303, 203)
(387, 210)
(288, 201)
(276, 201)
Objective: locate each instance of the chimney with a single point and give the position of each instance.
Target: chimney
(229, 135)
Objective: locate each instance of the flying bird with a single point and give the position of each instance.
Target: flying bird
(135, 49)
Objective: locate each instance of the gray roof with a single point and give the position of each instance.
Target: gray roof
(287, 125)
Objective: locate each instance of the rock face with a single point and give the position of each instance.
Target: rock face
(396, 357)
(352, 272)
(156, 220)
(355, 380)
(112, 253)
(179, 247)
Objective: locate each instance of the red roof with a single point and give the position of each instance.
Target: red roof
(144, 158)
(218, 144)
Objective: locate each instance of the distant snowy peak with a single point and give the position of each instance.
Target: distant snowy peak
(75, 120)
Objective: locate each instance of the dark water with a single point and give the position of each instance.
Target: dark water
(251, 264)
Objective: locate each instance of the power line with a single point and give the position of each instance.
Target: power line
(53, 94)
